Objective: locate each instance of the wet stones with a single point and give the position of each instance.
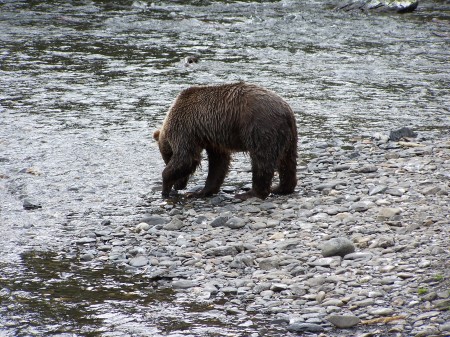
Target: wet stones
(361, 249)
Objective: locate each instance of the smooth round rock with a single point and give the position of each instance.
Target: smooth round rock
(337, 247)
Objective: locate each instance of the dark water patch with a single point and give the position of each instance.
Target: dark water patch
(58, 295)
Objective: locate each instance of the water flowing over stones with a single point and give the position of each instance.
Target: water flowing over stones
(380, 6)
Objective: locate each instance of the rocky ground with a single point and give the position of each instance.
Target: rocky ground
(362, 249)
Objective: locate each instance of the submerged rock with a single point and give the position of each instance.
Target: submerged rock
(30, 204)
(396, 135)
(380, 6)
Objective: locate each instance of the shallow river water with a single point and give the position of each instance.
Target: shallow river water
(83, 85)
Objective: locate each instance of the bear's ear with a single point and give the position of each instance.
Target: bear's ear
(156, 135)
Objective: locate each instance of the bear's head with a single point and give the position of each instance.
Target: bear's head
(164, 146)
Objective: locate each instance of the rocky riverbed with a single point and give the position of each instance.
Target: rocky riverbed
(362, 245)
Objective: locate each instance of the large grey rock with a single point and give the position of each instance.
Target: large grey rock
(235, 223)
(138, 261)
(220, 220)
(174, 225)
(398, 134)
(337, 247)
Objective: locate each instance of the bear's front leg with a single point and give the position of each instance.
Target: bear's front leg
(218, 165)
(177, 173)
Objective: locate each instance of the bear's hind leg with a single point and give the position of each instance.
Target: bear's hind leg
(262, 174)
(218, 165)
(287, 170)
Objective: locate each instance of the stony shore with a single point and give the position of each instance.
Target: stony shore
(361, 249)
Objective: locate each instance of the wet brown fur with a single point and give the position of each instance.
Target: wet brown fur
(228, 118)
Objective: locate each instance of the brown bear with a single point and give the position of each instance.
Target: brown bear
(222, 119)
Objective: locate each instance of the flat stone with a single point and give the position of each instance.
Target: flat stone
(396, 135)
(269, 263)
(289, 244)
(141, 227)
(367, 169)
(377, 189)
(183, 284)
(229, 290)
(343, 321)
(30, 205)
(445, 326)
(174, 225)
(86, 240)
(430, 190)
(154, 220)
(267, 206)
(87, 257)
(381, 312)
(327, 185)
(342, 167)
(359, 256)
(396, 192)
(302, 327)
(277, 287)
(220, 220)
(222, 251)
(334, 302)
(360, 206)
(235, 223)
(138, 261)
(388, 213)
(442, 304)
(322, 262)
(333, 210)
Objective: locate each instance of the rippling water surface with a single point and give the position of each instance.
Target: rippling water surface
(84, 84)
